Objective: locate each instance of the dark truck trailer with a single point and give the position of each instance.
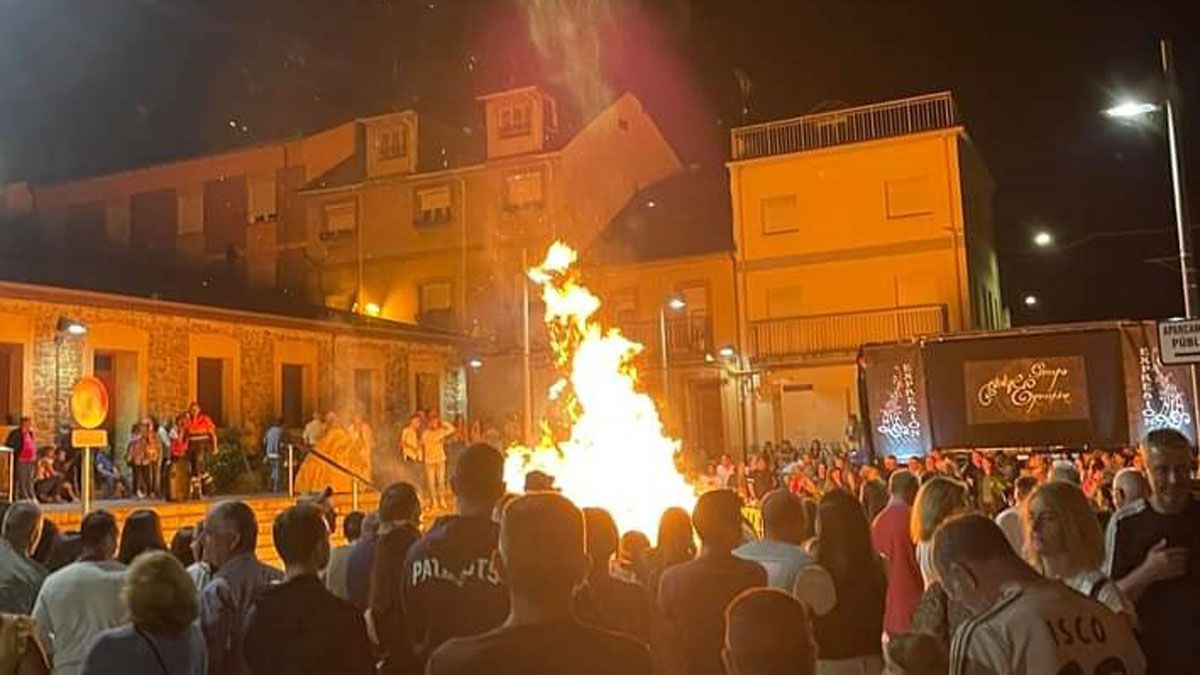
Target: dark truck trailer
(1093, 385)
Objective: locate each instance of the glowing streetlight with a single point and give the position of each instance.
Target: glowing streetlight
(727, 352)
(474, 363)
(372, 309)
(1030, 300)
(676, 303)
(1043, 239)
(1131, 109)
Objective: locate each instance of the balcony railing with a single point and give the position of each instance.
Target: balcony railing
(831, 334)
(849, 125)
(689, 336)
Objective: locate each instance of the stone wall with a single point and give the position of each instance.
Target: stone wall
(166, 338)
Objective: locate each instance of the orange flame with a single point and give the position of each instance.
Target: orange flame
(616, 456)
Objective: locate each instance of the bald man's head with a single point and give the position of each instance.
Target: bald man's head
(1128, 486)
(783, 517)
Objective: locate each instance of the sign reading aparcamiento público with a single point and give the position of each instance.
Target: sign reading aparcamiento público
(1179, 341)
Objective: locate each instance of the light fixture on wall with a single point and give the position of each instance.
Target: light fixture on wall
(474, 363)
(372, 309)
(63, 328)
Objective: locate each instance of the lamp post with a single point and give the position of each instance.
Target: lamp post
(1170, 105)
(674, 303)
(736, 367)
(1132, 109)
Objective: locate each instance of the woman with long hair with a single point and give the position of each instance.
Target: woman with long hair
(1063, 541)
(675, 543)
(142, 532)
(845, 589)
(163, 635)
(938, 499)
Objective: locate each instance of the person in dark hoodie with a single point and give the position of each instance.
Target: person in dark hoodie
(451, 588)
(298, 627)
(399, 514)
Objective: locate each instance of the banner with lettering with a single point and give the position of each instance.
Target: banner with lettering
(1057, 388)
(1157, 396)
(895, 393)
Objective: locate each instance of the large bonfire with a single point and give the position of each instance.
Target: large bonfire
(615, 454)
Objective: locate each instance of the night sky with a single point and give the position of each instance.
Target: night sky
(95, 85)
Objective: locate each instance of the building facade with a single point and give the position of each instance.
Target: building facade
(852, 226)
(245, 368)
(400, 216)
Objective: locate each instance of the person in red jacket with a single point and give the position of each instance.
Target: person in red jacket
(201, 433)
(890, 535)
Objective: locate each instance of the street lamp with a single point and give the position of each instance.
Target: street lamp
(674, 303)
(1133, 109)
(1043, 239)
(1030, 300)
(727, 352)
(474, 363)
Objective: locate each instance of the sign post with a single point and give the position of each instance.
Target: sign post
(89, 409)
(1179, 344)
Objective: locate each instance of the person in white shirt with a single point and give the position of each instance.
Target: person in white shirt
(433, 443)
(410, 439)
(1065, 543)
(81, 600)
(1009, 519)
(1023, 623)
(314, 430)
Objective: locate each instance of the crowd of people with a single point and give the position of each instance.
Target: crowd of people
(941, 577)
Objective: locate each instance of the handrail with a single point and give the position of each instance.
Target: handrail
(847, 125)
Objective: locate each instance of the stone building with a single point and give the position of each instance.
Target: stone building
(245, 365)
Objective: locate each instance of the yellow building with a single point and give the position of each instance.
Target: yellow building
(857, 225)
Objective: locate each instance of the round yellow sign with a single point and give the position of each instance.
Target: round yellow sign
(89, 402)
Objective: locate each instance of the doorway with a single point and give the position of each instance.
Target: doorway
(707, 425)
(210, 388)
(118, 370)
(12, 369)
(363, 390)
(291, 382)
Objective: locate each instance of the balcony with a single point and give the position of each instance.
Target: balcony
(687, 337)
(849, 125)
(822, 335)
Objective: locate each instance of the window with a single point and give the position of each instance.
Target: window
(433, 206)
(340, 220)
(514, 121)
(435, 296)
(779, 215)
(624, 305)
(523, 189)
(393, 143)
(907, 197)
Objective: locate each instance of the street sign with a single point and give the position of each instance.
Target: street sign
(89, 402)
(1179, 341)
(89, 438)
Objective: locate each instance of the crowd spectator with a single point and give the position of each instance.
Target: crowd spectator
(938, 499)
(1009, 519)
(1128, 486)
(845, 589)
(676, 544)
(693, 595)
(1023, 623)
(452, 589)
(603, 600)
(200, 571)
(781, 550)
(1153, 546)
(297, 627)
(23, 443)
(141, 532)
(890, 535)
(20, 575)
(542, 558)
(51, 482)
(20, 652)
(162, 636)
(399, 518)
(339, 557)
(1064, 543)
(768, 632)
(874, 497)
(361, 561)
(81, 600)
(633, 558)
(181, 545)
(230, 536)
(916, 653)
